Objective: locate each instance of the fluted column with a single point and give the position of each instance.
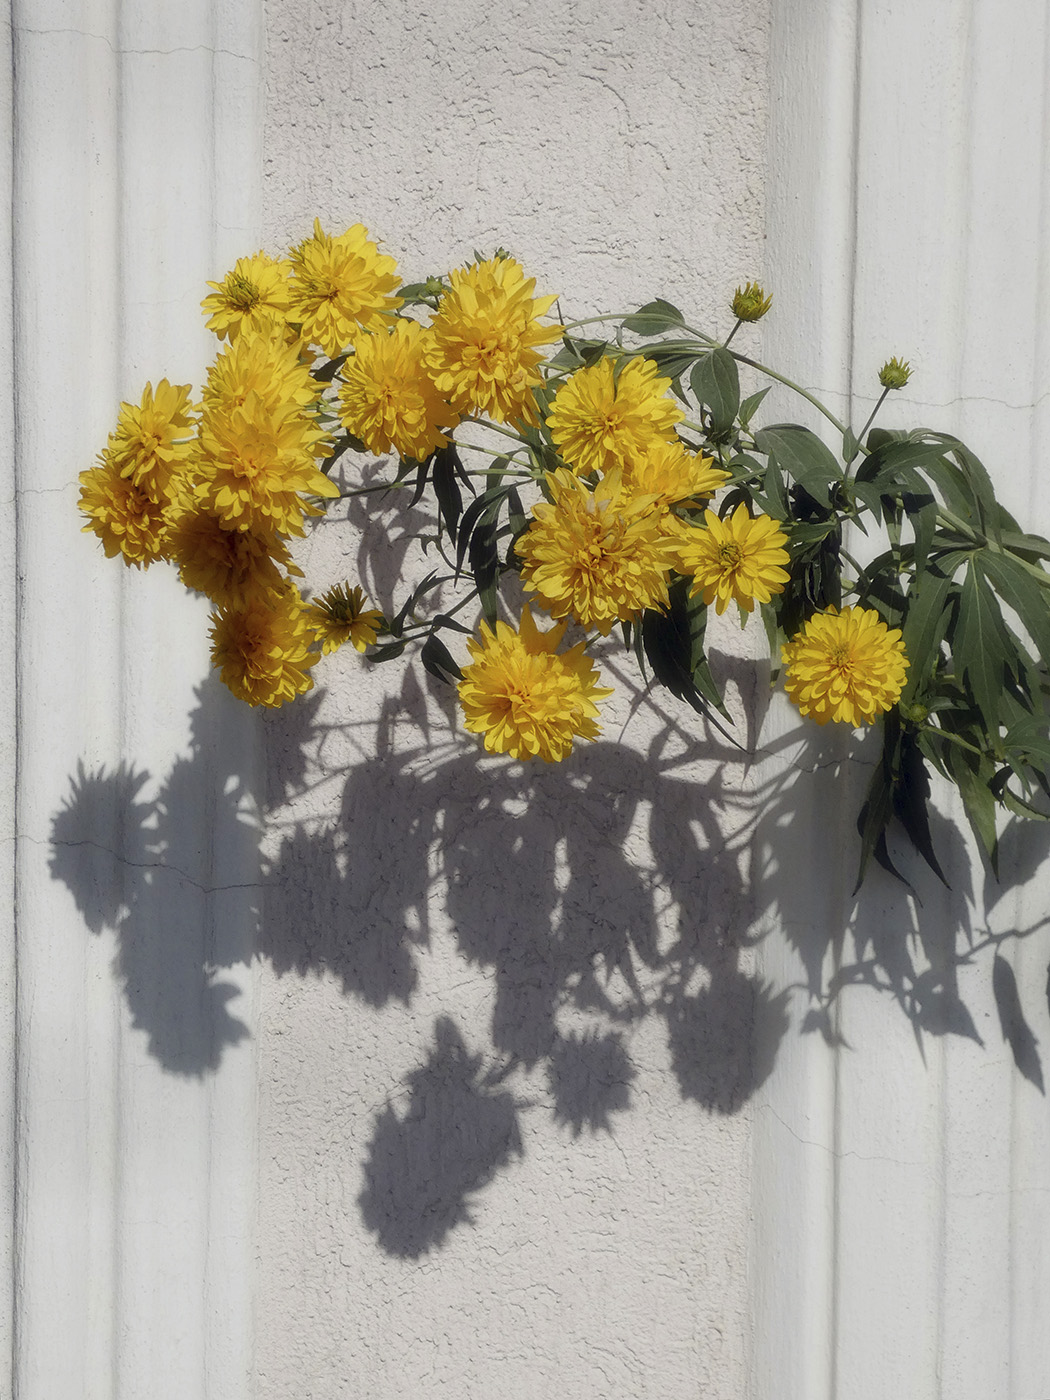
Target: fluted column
(136, 175)
(901, 1190)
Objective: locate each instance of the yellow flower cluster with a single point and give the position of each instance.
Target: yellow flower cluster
(846, 666)
(523, 697)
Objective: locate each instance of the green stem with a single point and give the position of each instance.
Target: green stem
(732, 333)
(871, 417)
(790, 384)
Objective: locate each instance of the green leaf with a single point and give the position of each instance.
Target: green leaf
(750, 405)
(977, 798)
(446, 488)
(438, 661)
(716, 383)
(484, 565)
(895, 454)
(980, 483)
(673, 644)
(654, 318)
(386, 651)
(850, 445)
(672, 363)
(487, 507)
(1026, 545)
(925, 624)
(802, 455)
(923, 519)
(979, 646)
(1031, 602)
(872, 822)
(1029, 737)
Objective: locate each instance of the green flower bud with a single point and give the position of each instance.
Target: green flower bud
(894, 374)
(914, 713)
(751, 303)
(434, 286)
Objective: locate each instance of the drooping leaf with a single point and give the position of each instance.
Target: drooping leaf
(972, 777)
(925, 625)
(978, 646)
(484, 566)
(486, 505)
(802, 455)
(872, 823)
(438, 661)
(1022, 592)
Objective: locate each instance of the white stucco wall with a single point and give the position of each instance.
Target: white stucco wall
(505, 1014)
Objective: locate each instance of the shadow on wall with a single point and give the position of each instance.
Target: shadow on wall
(611, 888)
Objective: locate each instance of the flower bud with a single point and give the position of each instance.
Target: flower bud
(914, 713)
(750, 302)
(434, 286)
(894, 374)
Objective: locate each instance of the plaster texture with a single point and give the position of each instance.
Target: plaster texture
(506, 1014)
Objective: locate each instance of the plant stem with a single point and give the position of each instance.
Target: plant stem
(871, 417)
(790, 384)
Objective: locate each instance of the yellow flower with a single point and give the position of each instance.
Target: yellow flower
(483, 351)
(153, 440)
(123, 516)
(526, 700)
(260, 365)
(340, 616)
(599, 421)
(263, 648)
(252, 295)
(734, 559)
(847, 666)
(259, 469)
(672, 474)
(387, 397)
(227, 564)
(750, 303)
(340, 286)
(591, 555)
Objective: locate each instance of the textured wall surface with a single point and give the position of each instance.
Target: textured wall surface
(505, 1017)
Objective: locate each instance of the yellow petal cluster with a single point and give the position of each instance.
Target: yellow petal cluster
(254, 293)
(228, 565)
(340, 286)
(259, 441)
(123, 516)
(144, 475)
(340, 615)
(388, 398)
(846, 666)
(525, 699)
(738, 559)
(592, 555)
(672, 474)
(153, 440)
(263, 648)
(601, 419)
(485, 341)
